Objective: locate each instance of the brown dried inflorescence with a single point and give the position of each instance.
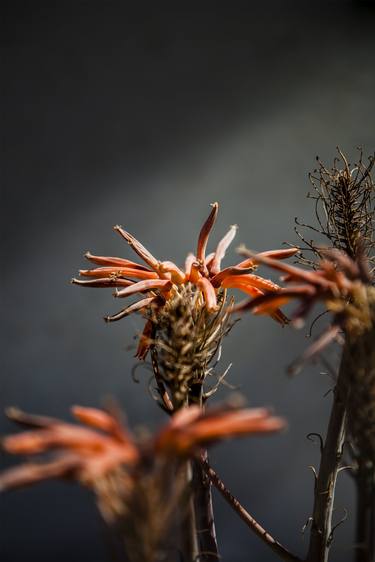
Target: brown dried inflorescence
(344, 198)
(138, 485)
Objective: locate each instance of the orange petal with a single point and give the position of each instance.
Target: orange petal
(138, 248)
(103, 282)
(123, 271)
(135, 307)
(141, 286)
(209, 293)
(229, 272)
(95, 418)
(190, 259)
(30, 473)
(117, 262)
(205, 232)
(274, 254)
(177, 275)
(251, 280)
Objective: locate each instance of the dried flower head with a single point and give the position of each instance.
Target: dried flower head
(132, 481)
(344, 198)
(185, 310)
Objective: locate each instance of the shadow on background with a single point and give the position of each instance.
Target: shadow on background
(143, 116)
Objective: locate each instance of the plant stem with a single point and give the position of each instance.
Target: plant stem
(190, 546)
(365, 525)
(274, 545)
(204, 513)
(321, 527)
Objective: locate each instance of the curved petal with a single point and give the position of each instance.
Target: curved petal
(141, 286)
(222, 247)
(252, 281)
(209, 293)
(138, 248)
(123, 271)
(205, 232)
(117, 262)
(144, 303)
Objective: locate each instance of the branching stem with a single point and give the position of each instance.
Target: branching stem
(274, 545)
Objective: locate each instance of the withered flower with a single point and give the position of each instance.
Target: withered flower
(160, 282)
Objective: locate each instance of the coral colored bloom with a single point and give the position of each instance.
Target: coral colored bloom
(88, 455)
(158, 281)
(341, 283)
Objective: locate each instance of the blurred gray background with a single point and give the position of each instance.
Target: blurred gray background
(143, 116)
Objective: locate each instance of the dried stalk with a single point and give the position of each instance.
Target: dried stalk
(321, 529)
(204, 514)
(273, 544)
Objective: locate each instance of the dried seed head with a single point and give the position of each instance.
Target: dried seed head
(344, 198)
(187, 337)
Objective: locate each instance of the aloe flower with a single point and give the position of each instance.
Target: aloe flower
(88, 454)
(157, 281)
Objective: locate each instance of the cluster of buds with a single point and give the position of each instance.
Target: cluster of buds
(132, 480)
(186, 311)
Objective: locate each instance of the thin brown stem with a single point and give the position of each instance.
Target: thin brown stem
(204, 513)
(321, 529)
(273, 544)
(190, 546)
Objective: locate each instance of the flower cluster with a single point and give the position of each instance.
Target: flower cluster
(340, 282)
(88, 454)
(159, 281)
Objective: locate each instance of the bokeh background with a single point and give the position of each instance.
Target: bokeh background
(142, 114)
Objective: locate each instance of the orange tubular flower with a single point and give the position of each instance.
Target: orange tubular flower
(88, 455)
(158, 281)
(340, 282)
